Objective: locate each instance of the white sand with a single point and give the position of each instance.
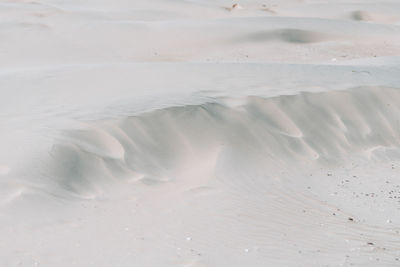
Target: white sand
(199, 133)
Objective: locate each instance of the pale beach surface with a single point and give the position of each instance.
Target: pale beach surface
(199, 133)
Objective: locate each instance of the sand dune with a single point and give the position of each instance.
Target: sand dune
(199, 133)
(319, 128)
(289, 35)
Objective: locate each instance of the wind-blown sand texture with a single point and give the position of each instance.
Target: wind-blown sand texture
(199, 133)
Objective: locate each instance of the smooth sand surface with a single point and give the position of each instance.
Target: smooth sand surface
(199, 133)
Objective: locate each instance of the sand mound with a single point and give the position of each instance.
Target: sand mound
(289, 35)
(361, 15)
(313, 128)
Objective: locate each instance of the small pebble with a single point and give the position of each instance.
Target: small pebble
(236, 6)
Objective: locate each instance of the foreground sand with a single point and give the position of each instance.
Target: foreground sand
(199, 133)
